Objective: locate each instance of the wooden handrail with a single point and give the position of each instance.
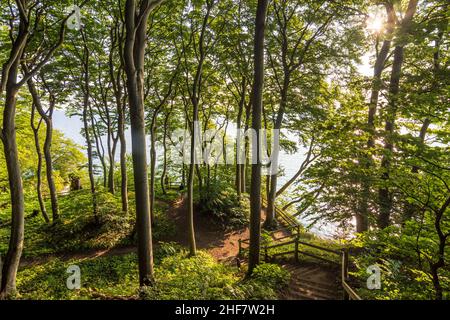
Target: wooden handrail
(349, 292)
(291, 222)
(317, 257)
(279, 244)
(320, 248)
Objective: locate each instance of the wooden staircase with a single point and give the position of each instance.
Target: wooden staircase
(310, 282)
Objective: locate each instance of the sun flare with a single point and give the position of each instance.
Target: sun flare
(375, 23)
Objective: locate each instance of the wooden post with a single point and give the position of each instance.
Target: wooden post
(345, 272)
(296, 249)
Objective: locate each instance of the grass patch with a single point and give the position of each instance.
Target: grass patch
(177, 276)
(76, 229)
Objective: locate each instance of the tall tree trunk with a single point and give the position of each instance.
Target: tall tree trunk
(86, 114)
(384, 194)
(164, 170)
(112, 155)
(98, 145)
(246, 147)
(123, 159)
(239, 157)
(47, 117)
(49, 164)
(362, 221)
(270, 221)
(134, 50)
(9, 83)
(116, 34)
(12, 258)
(112, 146)
(153, 164)
(195, 130)
(255, 186)
(39, 164)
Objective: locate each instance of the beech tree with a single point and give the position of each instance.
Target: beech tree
(257, 106)
(136, 17)
(22, 33)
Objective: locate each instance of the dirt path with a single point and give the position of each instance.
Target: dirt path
(83, 255)
(222, 245)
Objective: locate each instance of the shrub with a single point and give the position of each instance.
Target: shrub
(191, 278)
(267, 278)
(177, 276)
(222, 203)
(105, 277)
(403, 274)
(166, 249)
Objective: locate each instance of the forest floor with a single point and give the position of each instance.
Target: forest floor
(222, 244)
(307, 281)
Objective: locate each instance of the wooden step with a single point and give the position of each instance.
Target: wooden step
(313, 293)
(319, 287)
(310, 282)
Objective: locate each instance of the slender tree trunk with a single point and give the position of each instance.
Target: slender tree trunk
(362, 221)
(12, 258)
(111, 145)
(239, 137)
(39, 165)
(153, 165)
(134, 49)
(246, 148)
(112, 155)
(117, 39)
(195, 131)
(123, 159)
(47, 117)
(164, 170)
(49, 166)
(86, 113)
(270, 221)
(384, 194)
(255, 187)
(99, 146)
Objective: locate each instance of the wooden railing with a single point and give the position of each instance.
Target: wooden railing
(282, 216)
(292, 227)
(348, 292)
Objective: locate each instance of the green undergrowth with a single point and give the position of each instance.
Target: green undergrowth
(77, 230)
(177, 276)
(404, 274)
(220, 202)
